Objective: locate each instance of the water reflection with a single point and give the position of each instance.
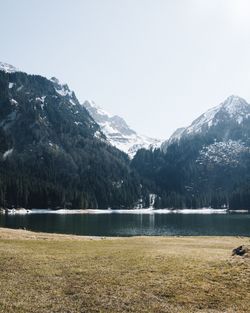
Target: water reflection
(132, 224)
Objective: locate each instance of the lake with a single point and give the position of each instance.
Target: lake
(130, 224)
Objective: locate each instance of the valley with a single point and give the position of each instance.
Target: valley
(86, 158)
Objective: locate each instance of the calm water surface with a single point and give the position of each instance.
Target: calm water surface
(133, 224)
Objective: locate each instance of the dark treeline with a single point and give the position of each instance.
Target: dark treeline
(180, 181)
(49, 180)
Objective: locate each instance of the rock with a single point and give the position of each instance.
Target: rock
(241, 250)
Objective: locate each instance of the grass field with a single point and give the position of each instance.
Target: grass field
(68, 274)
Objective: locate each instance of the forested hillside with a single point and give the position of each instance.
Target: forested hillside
(205, 164)
(53, 154)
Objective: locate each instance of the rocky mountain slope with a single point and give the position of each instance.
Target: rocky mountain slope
(225, 119)
(206, 163)
(118, 133)
(53, 153)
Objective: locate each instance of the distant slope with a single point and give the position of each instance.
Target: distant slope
(118, 133)
(206, 163)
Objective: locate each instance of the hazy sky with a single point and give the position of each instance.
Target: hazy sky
(157, 63)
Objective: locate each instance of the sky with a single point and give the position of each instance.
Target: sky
(157, 63)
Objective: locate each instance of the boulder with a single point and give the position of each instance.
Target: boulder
(241, 250)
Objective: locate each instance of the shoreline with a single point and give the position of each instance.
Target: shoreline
(23, 211)
(13, 233)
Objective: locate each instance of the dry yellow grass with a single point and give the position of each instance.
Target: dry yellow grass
(68, 274)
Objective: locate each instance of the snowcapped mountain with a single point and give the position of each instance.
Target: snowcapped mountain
(51, 106)
(7, 68)
(206, 163)
(118, 133)
(222, 121)
(53, 153)
(233, 108)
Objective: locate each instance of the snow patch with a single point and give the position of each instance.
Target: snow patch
(223, 153)
(64, 92)
(152, 198)
(8, 68)
(98, 134)
(118, 184)
(13, 102)
(41, 100)
(125, 211)
(7, 154)
(20, 88)
(78, 123)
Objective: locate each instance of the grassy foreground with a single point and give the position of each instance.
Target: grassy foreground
(68, 274)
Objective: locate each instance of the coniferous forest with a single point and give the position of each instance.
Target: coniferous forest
(53, 153)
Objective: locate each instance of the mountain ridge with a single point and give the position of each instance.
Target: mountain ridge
(53, 153)
(205, 164)
(117, 131)
(233, 109)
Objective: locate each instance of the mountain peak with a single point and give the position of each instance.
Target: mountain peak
(233, 110)
(234, 98)
(8, 68)
(117, 131)
(234, 104)
(235, 107)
